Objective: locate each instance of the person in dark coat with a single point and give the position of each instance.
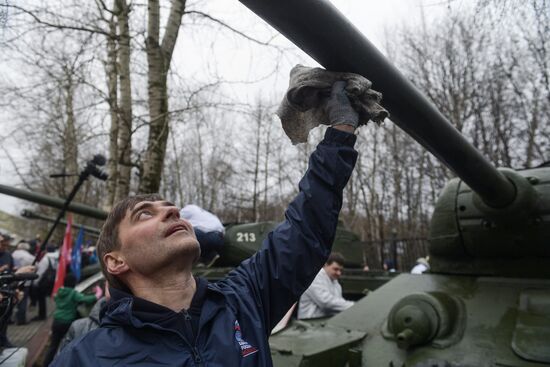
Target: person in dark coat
(161, 315)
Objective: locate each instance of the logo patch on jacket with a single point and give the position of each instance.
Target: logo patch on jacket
(246, 348)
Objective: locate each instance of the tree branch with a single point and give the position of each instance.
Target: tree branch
(225, 25)
(54, 25)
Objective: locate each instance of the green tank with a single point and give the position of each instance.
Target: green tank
(242, 240)
(486, 301)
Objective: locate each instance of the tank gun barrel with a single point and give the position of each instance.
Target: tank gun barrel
(321, 31)
(32, 215)
(53, 202)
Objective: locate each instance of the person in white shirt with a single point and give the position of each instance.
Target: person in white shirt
(324, 296)
(21, 256)
(208, 229)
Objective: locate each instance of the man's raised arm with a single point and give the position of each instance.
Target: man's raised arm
(293, 253)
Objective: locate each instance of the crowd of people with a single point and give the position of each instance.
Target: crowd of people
(19, 260)
(26, 256)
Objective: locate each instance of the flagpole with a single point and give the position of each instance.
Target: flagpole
(63, 258)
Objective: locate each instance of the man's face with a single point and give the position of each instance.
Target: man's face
(334, 270)
(153, 237)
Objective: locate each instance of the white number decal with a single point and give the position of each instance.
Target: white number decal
(246, 237)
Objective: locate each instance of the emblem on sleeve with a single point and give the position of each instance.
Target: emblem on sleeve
(246, 348)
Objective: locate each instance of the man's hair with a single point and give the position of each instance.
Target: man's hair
(108, 238)
(336, 257)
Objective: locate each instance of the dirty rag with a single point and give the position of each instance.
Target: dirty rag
(302, 107)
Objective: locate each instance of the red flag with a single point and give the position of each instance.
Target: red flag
(65, 254)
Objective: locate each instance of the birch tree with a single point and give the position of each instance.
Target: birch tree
(159, 54)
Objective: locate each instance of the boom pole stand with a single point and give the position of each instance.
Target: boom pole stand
(91, 169)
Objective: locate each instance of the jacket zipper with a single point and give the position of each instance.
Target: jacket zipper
(197, 357)
(193, 343)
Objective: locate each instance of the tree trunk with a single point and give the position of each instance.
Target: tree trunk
(178, 173)
(158, 61)
(125, 126)
(255, 193)
(266, 168)
(202, 183)
(112, 86)
(70, 150)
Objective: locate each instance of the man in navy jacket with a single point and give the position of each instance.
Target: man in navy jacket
(160, 315)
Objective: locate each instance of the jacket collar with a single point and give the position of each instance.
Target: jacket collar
(120, 310)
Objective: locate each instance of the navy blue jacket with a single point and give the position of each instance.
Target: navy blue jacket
(236, 314)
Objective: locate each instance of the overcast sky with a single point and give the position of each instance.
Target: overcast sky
(221, 52)
(216, 54)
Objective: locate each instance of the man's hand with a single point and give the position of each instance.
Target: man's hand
(341, 114)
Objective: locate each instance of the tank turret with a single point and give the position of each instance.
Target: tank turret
(243, 240)
(486, 301)
(469, 237)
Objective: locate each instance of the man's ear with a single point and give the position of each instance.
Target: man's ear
(115, 263)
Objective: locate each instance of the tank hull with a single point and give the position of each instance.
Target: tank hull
(502, 322)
